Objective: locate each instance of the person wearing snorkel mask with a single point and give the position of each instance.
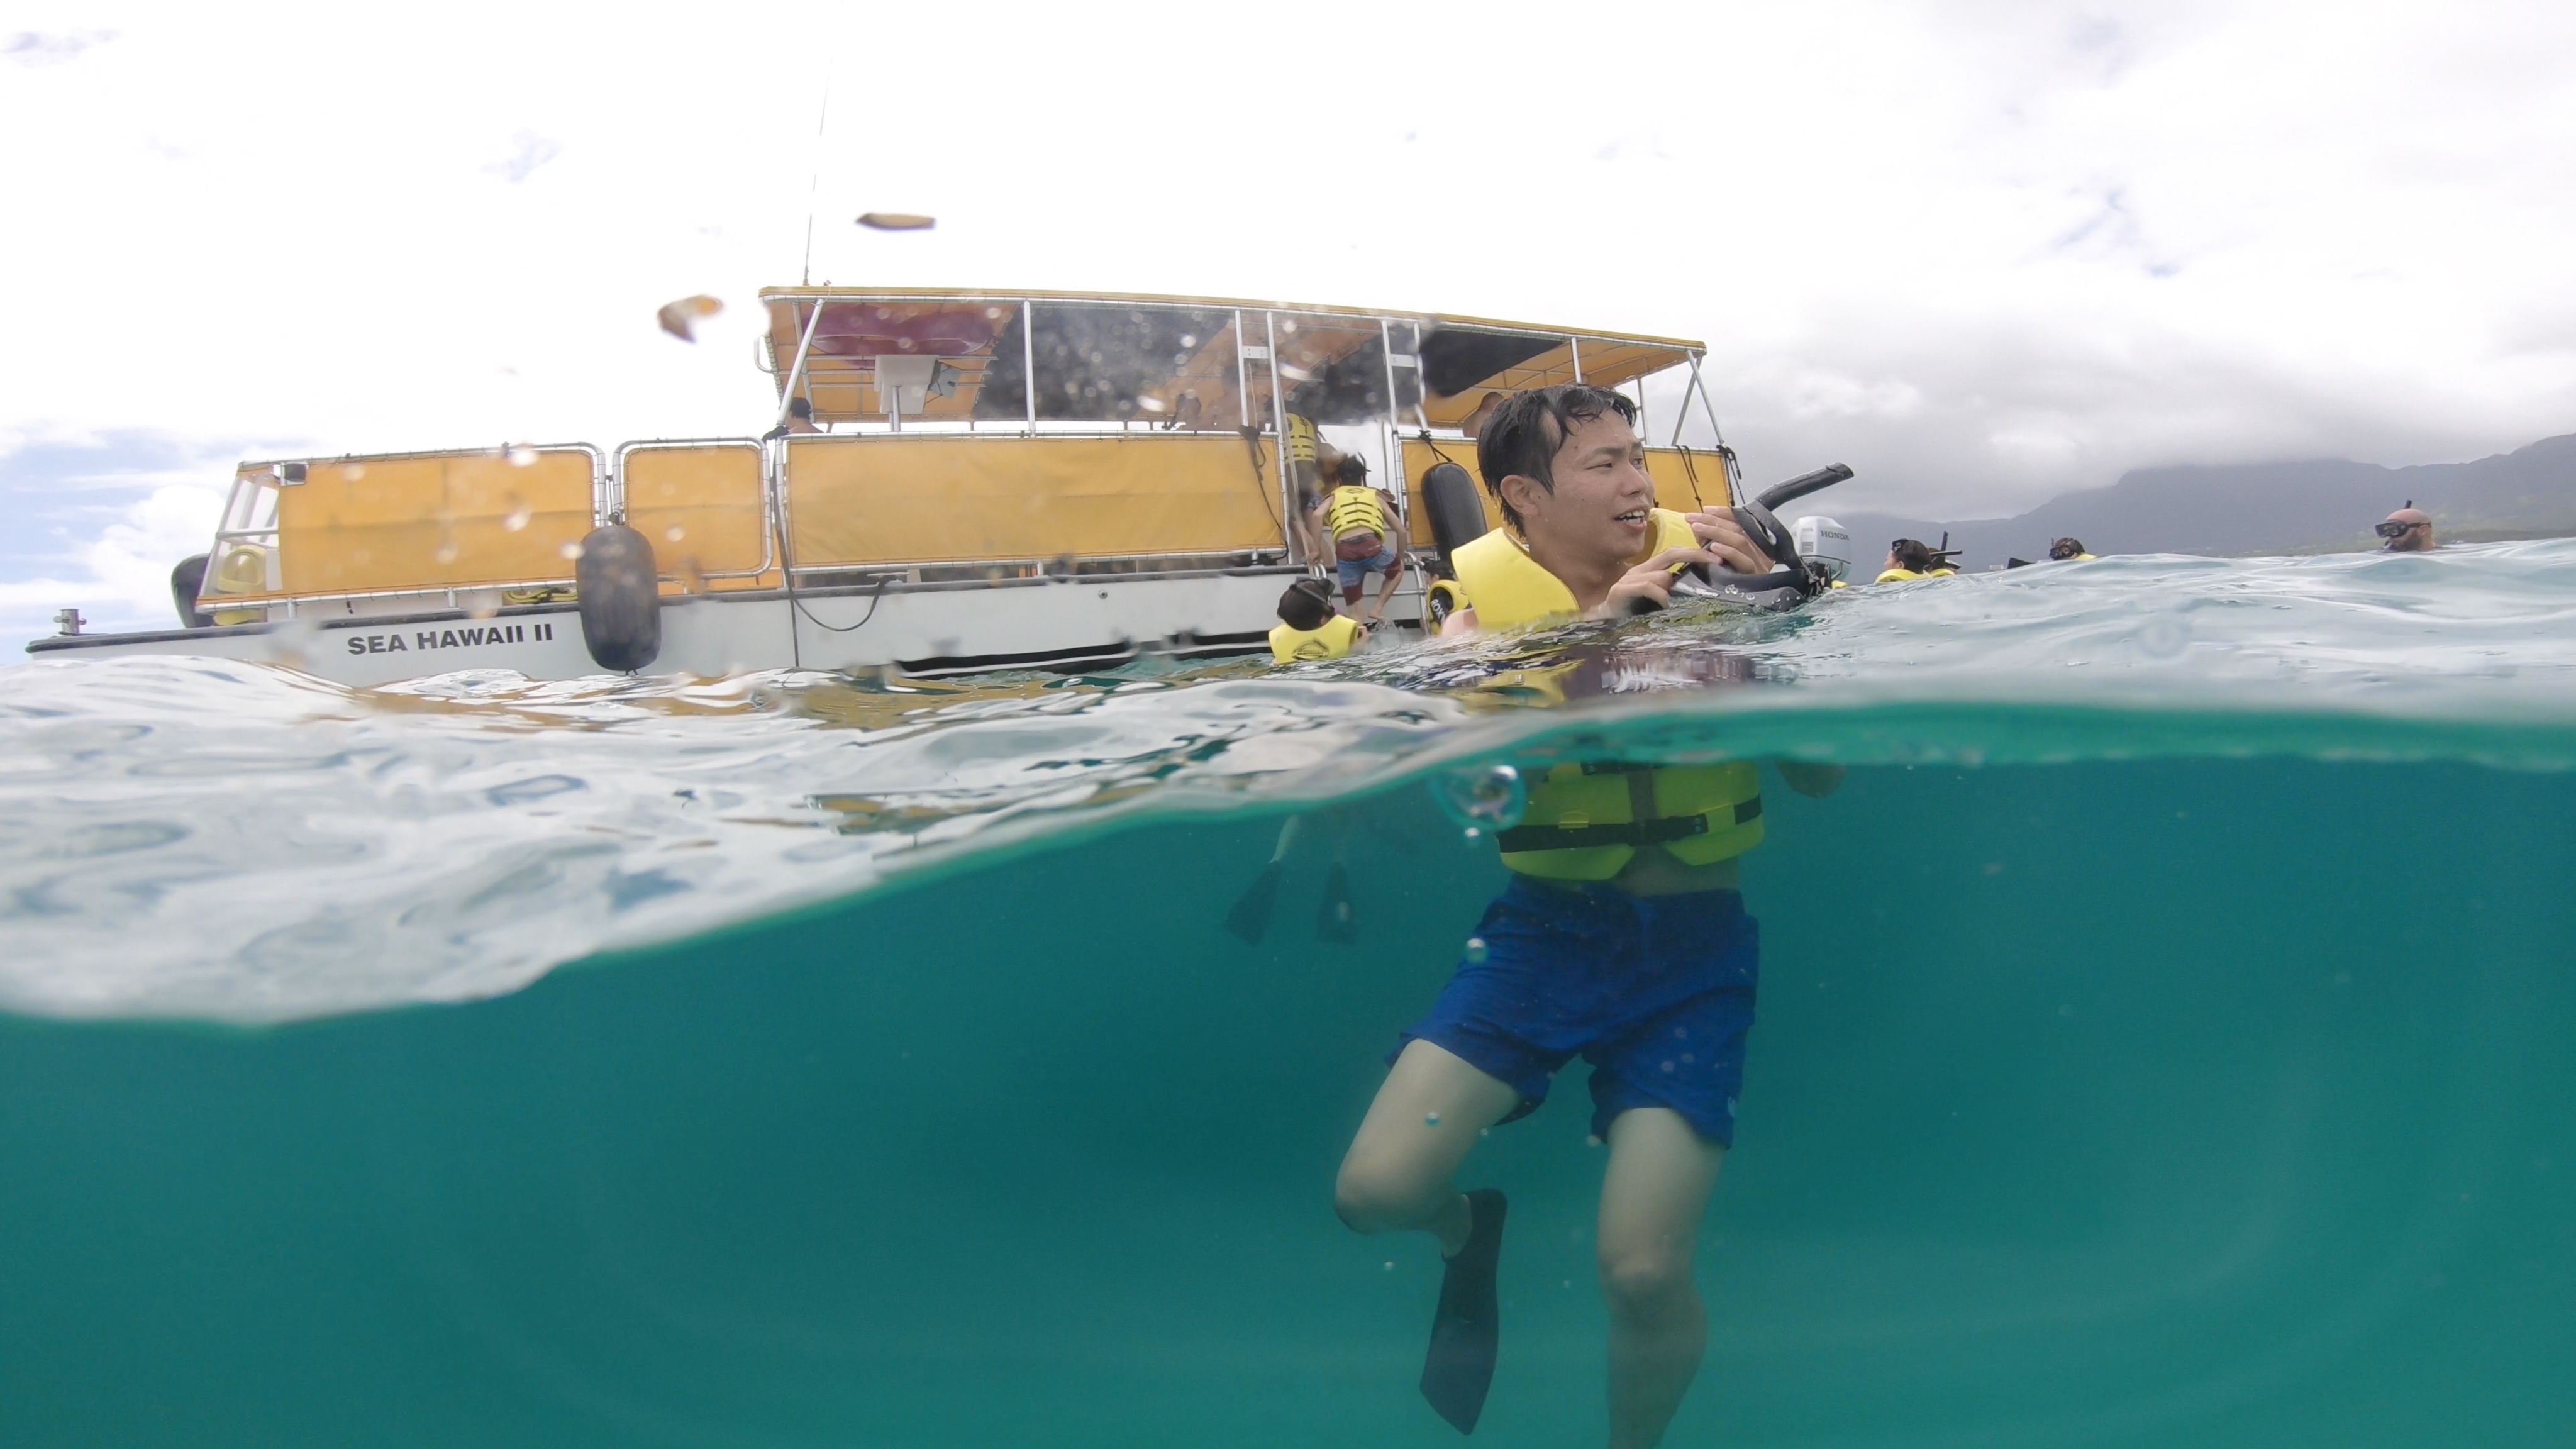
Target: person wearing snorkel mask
(2408, 530)
(1621, 938)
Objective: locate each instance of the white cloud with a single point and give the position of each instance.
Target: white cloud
(1916, 236)
(36, 47)
(528, 152)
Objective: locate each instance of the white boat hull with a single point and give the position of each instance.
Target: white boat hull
(1084, 621)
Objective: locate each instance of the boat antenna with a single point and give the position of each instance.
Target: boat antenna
(813, 188)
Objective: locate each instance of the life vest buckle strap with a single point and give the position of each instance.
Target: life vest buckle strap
(1585, 837)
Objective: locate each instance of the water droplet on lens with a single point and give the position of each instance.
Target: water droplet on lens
(1476, 950)
(675, 533)
(521, 455)
(446, 553)
(1482, 797)
(570, 550)
(518, 518)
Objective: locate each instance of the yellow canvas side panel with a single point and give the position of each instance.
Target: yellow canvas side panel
(699, 508)
(936, 499)
(1686, 482)
(439, 521)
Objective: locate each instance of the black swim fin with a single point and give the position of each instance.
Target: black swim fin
(1333, 920)
(1465, 1332)
(1249, 921)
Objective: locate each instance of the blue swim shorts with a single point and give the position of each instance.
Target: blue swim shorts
(1355, 571)
(1656, 992)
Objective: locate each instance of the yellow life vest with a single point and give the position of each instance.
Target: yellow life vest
(1354, 509)
(1587, 821)
(1301, 439)
(1506, 587)
(1901, 576)
(2079, 558)
(1329, 640)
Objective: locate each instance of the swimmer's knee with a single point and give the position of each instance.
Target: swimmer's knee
(1645, 1280)
(1372, 1200)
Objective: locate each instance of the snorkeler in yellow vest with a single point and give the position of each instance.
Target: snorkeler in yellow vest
(1621, 937)
(1912, 558)
(1308, 627)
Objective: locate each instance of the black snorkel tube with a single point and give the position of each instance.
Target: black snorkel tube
(1786, 587)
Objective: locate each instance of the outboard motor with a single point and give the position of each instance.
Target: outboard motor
(621, 598)
(1824, 543)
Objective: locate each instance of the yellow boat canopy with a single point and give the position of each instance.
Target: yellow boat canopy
(1194, 363)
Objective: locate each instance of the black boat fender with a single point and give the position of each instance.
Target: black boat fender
(621, 598)
(187, 581)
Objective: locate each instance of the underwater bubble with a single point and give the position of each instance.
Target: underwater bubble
(1476, 950)
(521, 455)
(1390, 1265)
(1482, 797)
(1431, 1119)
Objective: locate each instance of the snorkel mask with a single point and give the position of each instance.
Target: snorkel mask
(1796, 581)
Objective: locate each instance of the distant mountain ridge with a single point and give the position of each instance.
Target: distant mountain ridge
(2260, 508)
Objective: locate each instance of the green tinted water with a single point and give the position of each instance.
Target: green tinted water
(2168, 1101)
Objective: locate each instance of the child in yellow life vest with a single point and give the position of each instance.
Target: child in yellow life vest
(1308, 627)
(1362, 522)
(1621, 938)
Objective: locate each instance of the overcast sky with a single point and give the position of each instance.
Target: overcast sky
(1985, 253)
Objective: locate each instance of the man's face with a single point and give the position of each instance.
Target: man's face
(1602, 492)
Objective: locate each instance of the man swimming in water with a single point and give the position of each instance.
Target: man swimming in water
(1621, 938)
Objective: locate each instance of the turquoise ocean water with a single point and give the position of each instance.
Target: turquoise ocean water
(2165, 1035)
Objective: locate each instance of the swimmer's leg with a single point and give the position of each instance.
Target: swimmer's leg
(1421, 1126)
(1397, 1175)
(1660, 1176)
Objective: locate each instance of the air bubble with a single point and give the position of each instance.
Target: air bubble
(1476, 950)
(1482, 797)
(1430, 1119)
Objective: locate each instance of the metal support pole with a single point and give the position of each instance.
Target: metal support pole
(1734, 485)
(1574, 346)
(796, 374)
(1029, 359)
(1242, 375)
(1279, 418)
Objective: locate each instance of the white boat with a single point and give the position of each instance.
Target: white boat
(938, 515)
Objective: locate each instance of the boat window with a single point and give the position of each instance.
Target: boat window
(1116, 363)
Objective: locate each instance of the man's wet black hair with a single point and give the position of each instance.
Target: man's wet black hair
(1524, 433)
(1306, 605)
(2066, 548)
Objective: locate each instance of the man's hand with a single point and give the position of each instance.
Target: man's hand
(1720, 534)
(1647, 586)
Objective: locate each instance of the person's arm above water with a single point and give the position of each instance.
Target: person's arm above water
(1816, 781)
